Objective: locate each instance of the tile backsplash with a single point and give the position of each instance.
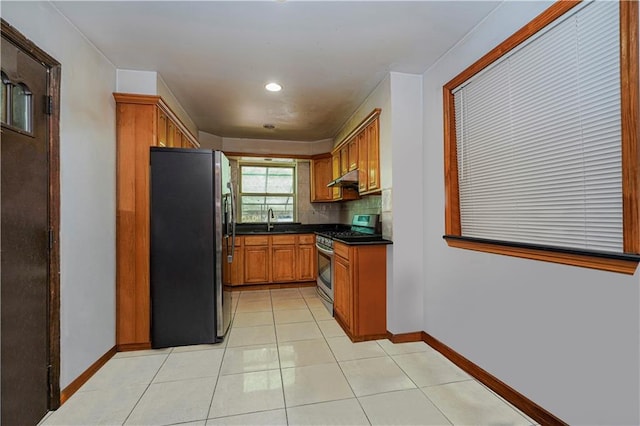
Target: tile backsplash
(370, 204)
(309, 212)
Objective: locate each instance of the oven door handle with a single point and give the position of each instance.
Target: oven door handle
(324, 250)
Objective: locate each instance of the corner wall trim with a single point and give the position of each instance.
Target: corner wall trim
(514, 397)
(86, 375)
(125, 347)
(416, 336)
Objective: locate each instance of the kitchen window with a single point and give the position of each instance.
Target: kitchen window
(264, 187)
(541, 141)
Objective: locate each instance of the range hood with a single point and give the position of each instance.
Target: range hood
(350, 179)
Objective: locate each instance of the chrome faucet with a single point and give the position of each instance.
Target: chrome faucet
(269, 217)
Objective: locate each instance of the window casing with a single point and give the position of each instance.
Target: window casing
(264, 187)
(487, 211)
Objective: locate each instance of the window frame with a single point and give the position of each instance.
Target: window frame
(293, 165)
(625, 262)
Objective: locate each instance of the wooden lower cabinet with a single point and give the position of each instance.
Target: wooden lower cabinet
(256, 264)
(360, 290)
(283, 257)
(306, 263)
(257, 255)
(277, 258)
(342, 288)
(233, 273)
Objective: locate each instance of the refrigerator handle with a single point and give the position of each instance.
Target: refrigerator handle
(233, 224)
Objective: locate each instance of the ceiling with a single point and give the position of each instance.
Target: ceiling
(217, 56)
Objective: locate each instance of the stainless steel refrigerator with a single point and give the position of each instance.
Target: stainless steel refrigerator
(192, 215)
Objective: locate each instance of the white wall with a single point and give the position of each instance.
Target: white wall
(268, 146)
(87, 162)
(209, 141)
(175, 105)
(140, 82)
(151, 83)
(404, 291)
(566, 337)
(399, 97)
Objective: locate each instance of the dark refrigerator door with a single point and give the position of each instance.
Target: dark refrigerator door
(182, 277)
(225, 236)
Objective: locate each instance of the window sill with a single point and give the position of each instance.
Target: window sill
(613, 262)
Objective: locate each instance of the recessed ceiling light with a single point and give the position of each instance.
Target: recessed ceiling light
(273, 87)
(269, 126)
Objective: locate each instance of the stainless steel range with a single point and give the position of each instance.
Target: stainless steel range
(364, 228)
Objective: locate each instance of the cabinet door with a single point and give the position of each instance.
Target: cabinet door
(344, 160)
(171, 133)
(363, 164)
(342, 297)
(162, 128)
(335, 167)
(283, 266)
(353, 154)
(237, 266)
(321, 173)
(177, 137)
(306, 262)
(233, 273)
(256, 264)
(373, 157)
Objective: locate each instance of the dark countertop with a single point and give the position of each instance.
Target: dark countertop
(364, 241)
(287, 228)
(299, 228)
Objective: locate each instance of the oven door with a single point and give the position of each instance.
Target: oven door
(325, 276)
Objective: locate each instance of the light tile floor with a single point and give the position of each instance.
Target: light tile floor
(285, 361)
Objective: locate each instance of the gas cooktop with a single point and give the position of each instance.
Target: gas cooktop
(344, 234)
(363, 229)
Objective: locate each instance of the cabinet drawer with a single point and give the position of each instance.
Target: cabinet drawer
(283, 239)
(341, 250)
(256, 240)
(307, 239)
(238, 241)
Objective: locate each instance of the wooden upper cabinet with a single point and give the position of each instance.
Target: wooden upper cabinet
(162, 128)
(335, 168)
(353, 153)
(142, 121)
(360, 150)
(171, 134)
(321, 175)
(177, 139)
(363, 165)
(344, 160)
(373, 156)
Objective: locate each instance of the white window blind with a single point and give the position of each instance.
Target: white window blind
(539, 138)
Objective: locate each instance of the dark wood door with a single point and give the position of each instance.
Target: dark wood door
(24, 192)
